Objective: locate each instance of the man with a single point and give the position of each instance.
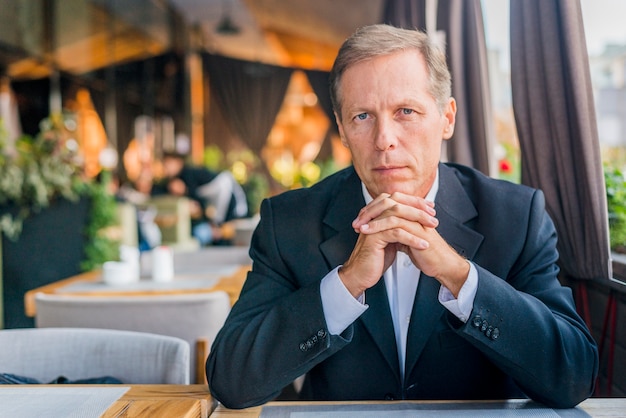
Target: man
(215, 198)
(402, 278)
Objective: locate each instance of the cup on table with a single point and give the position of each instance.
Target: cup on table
(131, 255)
(119, 272)
(162, 264)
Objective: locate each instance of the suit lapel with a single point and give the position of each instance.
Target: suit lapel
(454, 209)
(342, 209)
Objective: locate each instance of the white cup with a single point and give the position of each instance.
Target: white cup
(162, 264)
(131, 255)
(118, 272)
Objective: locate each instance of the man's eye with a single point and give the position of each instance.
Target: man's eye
(406, 111)
(361, 116)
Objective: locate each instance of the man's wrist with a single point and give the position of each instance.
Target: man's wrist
(455, 280)
(357, 293)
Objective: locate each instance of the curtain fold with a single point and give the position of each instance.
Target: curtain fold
(473, 141)
(555, 116)
(250, 95)
(320, 85)
(407, 14)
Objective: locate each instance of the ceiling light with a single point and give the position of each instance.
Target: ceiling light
(226, 26)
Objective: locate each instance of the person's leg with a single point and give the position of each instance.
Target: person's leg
(203, 233)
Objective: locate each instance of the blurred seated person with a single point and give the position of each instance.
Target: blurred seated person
(215, 198)
(137, 194)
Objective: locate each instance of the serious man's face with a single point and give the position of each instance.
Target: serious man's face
(392, 124)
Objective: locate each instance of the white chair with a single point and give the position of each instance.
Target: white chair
(76, 353)
(195, 318)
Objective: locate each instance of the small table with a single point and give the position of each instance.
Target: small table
(186, 264)
(185, 401)
(595, 407)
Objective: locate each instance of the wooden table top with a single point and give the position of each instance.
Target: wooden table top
(153, 401)
(231, 284)
(184, 401)
(595, 407)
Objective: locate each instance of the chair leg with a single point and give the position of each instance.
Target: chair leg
(202, 353)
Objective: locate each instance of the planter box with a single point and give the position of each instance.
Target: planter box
(50, 248)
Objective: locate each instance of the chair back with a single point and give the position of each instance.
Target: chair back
(78, 353)
(195, 318)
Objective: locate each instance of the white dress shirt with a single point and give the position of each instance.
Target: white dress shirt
(401, 280)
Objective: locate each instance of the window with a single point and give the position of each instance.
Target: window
(507, 152)
(606, 44)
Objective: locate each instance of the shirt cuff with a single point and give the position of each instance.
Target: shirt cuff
(462, 306)
(340, 308)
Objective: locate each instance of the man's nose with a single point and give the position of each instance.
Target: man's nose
(385, 138)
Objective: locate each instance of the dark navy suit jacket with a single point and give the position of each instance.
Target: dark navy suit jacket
(523, 338)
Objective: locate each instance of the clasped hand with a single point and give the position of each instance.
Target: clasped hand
(400, 222)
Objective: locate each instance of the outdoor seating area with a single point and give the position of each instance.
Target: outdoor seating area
(272, 208)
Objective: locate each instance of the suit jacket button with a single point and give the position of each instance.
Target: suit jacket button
(488, 332)
(476, 321)
(303, 347)
(495, 334)
(321, 333)
(389, 397)
(484, 325)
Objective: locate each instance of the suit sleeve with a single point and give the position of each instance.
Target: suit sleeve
(528, 325)
(275, 332)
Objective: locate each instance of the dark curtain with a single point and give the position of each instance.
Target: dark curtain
(462, 23)
(554, 112)
(407, 14)
(474, 133)
(250, 95)
(321, 87)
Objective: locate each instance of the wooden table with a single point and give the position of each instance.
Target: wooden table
(231, 284)
(154, 401)
(596, 407)
(184, 401)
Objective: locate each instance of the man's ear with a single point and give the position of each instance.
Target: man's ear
(449, 116)
(341, 133)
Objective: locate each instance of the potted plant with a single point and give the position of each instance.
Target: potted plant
(616, 204)
(34, 173)
(50, 215)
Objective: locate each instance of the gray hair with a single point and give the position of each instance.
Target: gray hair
(377, 40)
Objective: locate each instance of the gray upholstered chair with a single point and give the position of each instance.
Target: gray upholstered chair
(195, 318)
(78, 353)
